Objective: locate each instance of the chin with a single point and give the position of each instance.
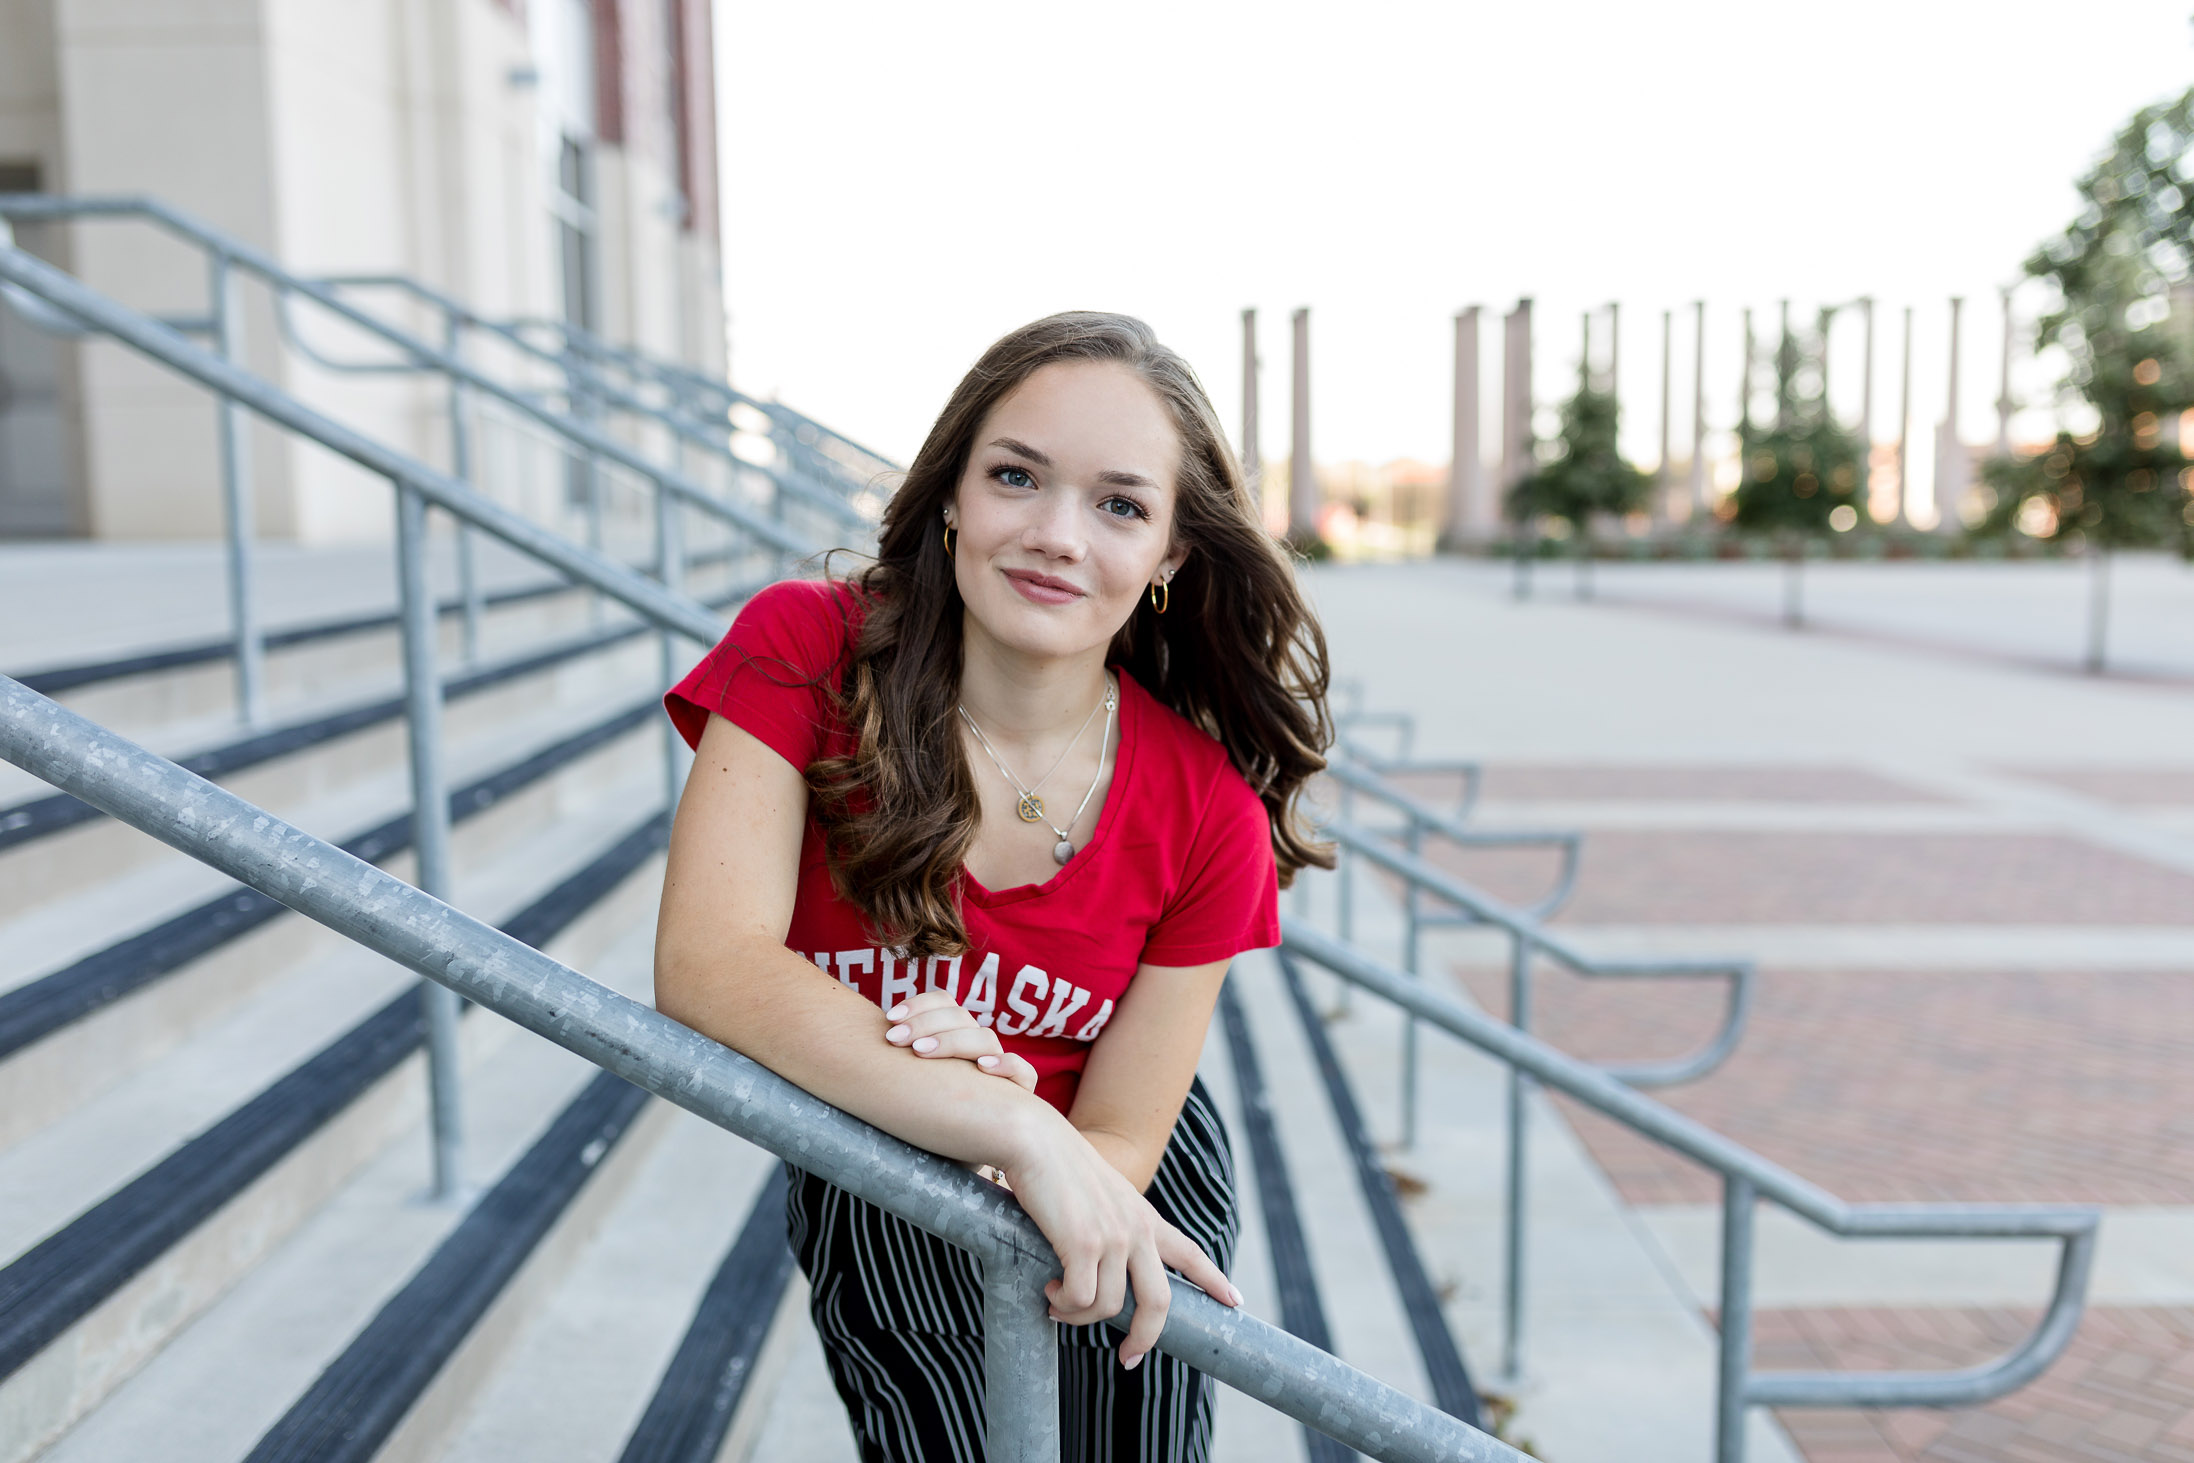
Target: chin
(1046, 634)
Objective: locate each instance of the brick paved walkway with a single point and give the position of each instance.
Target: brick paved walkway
(1571, 782)
(1896, 1086)
(2122, 1393)
(2130, 787)
(1731, 877)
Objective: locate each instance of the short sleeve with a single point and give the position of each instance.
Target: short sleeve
(1229, 898)
(773, 673)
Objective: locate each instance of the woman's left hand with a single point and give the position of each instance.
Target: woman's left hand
(933, 1024)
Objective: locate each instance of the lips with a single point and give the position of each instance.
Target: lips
(1042, 589)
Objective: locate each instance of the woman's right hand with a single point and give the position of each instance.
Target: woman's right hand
(1108, 1240)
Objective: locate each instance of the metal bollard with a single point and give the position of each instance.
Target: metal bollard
(1735, 1355)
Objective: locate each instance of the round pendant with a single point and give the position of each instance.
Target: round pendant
(1031, 808)
(1062, 851)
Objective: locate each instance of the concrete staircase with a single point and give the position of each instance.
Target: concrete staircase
(214, 1237)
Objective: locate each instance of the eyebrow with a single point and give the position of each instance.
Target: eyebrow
(1111, 476)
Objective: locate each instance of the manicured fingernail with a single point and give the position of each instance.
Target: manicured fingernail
(1234, 1296)
(926, 1044)
(897, 1033)
(897, 1013)
(984, 1062)
(1132, 1363)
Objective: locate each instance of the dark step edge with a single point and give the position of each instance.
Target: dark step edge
(71, 1272)
(37, 1009)
(1452, 1389)
(43, 817)
(698, 1397)
(358, 1402)
(53, 680)
(1302, 1311)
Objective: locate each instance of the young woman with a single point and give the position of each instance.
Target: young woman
(968, 843)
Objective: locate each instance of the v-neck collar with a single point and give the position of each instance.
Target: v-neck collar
(1131, 713)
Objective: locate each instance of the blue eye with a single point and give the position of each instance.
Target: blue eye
(1013, 477)
(1124, 507)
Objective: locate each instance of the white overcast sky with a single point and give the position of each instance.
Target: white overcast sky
(903, 183)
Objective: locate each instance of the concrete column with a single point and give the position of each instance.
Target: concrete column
(1302, 487)
(1252, 466)
(1615, 350)
(1866, 403)
(2003, 383)
(1660, 473)
(1744, 392)
(1904, 432)
(1516, 397)
(1466, 508)
(1699, 504)
(1950, 459)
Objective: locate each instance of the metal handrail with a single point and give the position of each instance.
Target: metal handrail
(580, 435)
(1747, 1178)
(464, 957)
(457, 317)
(471, 959)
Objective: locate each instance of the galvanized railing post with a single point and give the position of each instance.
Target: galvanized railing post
(1411, 912)
(460, 468)
(430, 818)
(1344, 873)
(1735, 1353)
(1519, 1091)
(1020, 1362)
(237, 503)
(670, 571)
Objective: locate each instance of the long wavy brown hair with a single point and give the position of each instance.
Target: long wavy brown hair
(1238, 652)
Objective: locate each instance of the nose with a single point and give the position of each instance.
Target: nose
(1055, 528)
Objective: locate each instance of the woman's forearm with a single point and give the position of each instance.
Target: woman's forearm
(777, 1008)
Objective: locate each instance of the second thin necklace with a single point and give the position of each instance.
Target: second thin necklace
(1031, 807)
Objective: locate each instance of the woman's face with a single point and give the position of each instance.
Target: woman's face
(1064, 514)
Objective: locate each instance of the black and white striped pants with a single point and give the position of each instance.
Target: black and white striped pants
(900, 1313)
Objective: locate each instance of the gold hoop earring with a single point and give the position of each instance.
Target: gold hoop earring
(1161, 594)
(948, 541)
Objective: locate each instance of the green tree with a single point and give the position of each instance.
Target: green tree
(2122, 483)
(1801, 478)
(1582, 475)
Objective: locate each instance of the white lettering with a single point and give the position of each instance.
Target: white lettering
(822, 961)
(982, 995)
(898, 987)
(1030, 978)
(851, 960)
(1066, 999)
(950, 985)
(1096, 1023)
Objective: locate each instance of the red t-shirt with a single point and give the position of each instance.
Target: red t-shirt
(1178, 871)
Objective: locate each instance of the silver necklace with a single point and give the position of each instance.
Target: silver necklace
(1031, 807)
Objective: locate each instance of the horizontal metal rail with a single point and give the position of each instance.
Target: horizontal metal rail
(242, 255)
(685, 426)
(1748, 1176)
(1533, 938)
(1360, 776)
(386, 915)
(659, 606)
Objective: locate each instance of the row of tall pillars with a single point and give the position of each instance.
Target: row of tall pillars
(1471, 512)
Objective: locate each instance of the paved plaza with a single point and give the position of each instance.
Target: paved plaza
(1967, 873)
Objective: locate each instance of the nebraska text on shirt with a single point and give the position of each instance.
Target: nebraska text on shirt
(1037, 1004)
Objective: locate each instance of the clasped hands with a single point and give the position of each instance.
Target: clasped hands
(1105, 1233)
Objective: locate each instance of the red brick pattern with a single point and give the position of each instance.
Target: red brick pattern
(1586, 783)
(2130, 787)
(2122, 1393)
(1894, 1086)
(1717, 877)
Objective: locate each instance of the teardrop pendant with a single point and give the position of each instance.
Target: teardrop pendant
(1062, 851)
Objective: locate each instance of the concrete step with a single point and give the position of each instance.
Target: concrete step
(496, 861)
(227, 1377)
(70, 1375)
